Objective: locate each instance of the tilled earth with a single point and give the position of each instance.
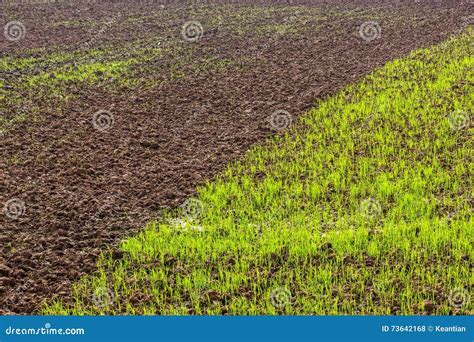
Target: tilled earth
(85, 189)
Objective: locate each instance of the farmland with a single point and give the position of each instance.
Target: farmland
(237, 159)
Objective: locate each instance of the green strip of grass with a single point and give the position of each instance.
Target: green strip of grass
(363, 207)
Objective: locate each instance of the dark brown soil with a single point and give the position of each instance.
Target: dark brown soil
(85, 190)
